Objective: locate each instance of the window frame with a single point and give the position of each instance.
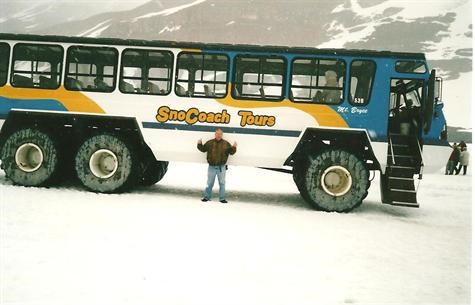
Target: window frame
(113, 76)
(228, 71)
(5, 81)
(121, 74)
(411, 60)
(284, 77)
(350, 98)
(423, 88)
(59, 73)
(343, 97)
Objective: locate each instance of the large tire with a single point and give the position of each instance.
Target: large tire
(154, 173)
(298, 174)
(333, 181)
(106, 163)
(30, 157)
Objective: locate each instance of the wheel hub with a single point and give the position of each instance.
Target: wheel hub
(29, 157)
(336, 181)
(103, 163)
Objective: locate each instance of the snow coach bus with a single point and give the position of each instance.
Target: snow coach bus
(114, 112)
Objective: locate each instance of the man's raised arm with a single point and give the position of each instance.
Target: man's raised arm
(201, 147)
(232, 149)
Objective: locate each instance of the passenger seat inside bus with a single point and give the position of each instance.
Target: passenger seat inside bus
(153, 88)
(101, 84)
(127, 87)
(208, 91)
(22, 81)
(74, 84)
(48, 83)
(180, 90)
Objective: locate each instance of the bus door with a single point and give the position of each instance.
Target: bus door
(405, 114)
(405, 130)
(406, 106)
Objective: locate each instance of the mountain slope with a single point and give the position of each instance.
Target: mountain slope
(442, 30)
(31, 16)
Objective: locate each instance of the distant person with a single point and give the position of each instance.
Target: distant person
(329, 96)
(453, 160)
(464, 160)
(408, 116)
(217, 152)
(100, 84)
(462, 145)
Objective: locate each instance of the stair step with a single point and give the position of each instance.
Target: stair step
(401, 139)
(401, 150)
(399, 135)
(406, 156)
(405, 204)
(401, 183)
(399, 195)
(403, 160)
(401, 171)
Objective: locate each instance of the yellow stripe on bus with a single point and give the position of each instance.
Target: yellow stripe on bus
(323, 114)
(72, 100)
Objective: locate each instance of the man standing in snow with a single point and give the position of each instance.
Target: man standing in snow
(217, 151)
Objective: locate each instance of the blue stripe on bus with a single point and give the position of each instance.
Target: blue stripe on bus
(7, 104)
(205, 128)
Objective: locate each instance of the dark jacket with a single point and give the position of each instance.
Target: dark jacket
(455, 155)
(217, 151)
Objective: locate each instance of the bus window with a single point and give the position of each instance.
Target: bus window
(201, 75)
(317, 81)
(411, 66)
(258, 77)
(37, 66)
(4, 59)
(146, 72)
(91, 69)
(361, 81)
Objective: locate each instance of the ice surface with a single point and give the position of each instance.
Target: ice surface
(170, 29)
(170, 11)
(161, 245)
(96, 30)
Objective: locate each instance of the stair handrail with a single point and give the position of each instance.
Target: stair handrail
(422, 160)
(392, 150)
(420, 152)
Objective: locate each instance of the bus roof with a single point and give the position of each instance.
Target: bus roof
(209, 46)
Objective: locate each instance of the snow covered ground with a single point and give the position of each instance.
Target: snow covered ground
(161, 245)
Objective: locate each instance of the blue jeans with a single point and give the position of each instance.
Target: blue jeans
(214, 171)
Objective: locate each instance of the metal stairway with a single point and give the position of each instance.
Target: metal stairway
(404, 162)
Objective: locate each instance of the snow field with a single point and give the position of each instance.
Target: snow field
(161, 245)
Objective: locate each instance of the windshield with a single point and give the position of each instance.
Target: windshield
(405, 93)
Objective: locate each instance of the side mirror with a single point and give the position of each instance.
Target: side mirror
(438, 89)
(429, 102)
